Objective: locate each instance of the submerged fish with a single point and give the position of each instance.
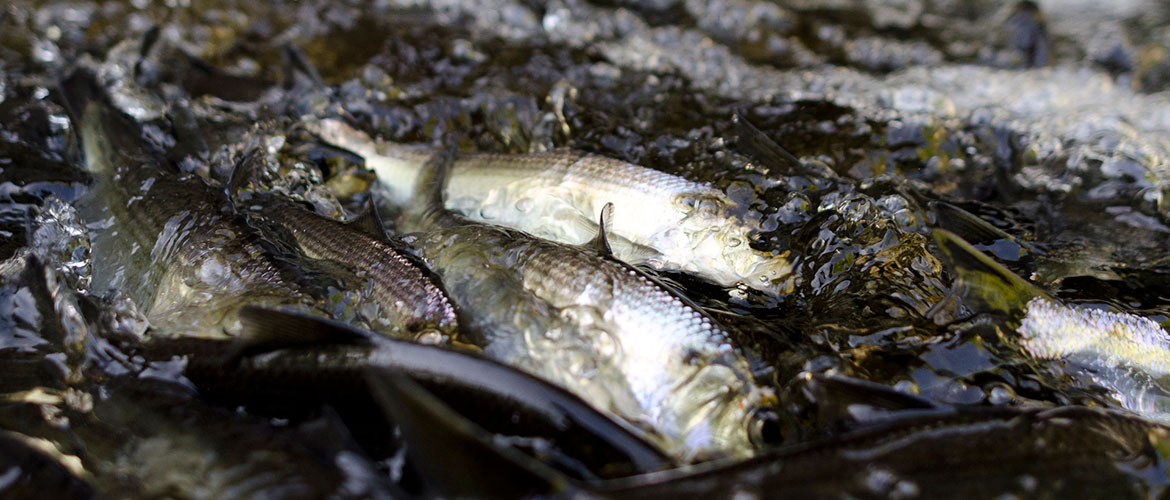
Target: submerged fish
(578, 316)
(297, 360)
(1124, 352)
(679, 225)
(150, 439)
(1068, 452)
(161, 235)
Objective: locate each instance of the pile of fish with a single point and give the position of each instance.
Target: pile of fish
(574, 250)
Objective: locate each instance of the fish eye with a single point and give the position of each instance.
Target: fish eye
(765, 427)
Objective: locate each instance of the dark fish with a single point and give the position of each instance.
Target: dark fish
(404, 297)
(1068, 452)
(147, 439)
(458, 458)
(164, 237)
(297, 358)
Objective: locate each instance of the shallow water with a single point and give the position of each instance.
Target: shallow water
(888, 105)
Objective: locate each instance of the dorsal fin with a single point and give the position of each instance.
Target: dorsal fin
(600, 243)
(974, 229)
(985, 285)
(296, 60)
(369, 221)
(755, 144)
(245, 172)
(265, 329)
(459, 459)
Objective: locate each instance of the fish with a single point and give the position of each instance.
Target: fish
(29, 472)
(681, 225)
(163, 236)
(580, 317)
(146, 438)
(297, 359)
(404, 297)
(458, 458)
(1124, 352)
(1062, 452)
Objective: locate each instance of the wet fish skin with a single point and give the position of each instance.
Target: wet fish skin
(298, 360)
(169, 244)
(147, 440)
(681, 225)
(1123, 352)
(596, 326)
(1051, 330)
(409, 299)
(1068, 452)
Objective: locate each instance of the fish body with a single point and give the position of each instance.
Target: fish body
(405, 298)
(1069, 452)
(583, 319)
(1051, 330)
(162, 236)
(680, 225)
(146, 440)
(1123, 352)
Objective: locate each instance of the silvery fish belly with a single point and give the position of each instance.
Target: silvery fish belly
(601, 329)
(671, 223)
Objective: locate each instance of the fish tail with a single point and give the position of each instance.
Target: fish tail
(79, 90)
(430, 186)
(985, 285)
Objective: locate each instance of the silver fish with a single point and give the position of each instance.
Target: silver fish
(671, 224)
(1123, 352)
(595, 325)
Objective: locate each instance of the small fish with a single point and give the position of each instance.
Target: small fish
(674, 224)
(405, 297)
(603, 329)
(162, 236)
(1121, 351)
(298, 359)
(1066, 452)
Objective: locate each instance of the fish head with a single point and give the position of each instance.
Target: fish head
(713, 239)
(721, 415)
(762, 270)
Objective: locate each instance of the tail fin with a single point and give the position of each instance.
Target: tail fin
(80, 89)
(985, 285)
(429, 198)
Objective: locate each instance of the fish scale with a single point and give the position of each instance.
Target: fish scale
(161, 236)
(671, 223)
(1051, 330)
(581, 318)
(409, 297)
